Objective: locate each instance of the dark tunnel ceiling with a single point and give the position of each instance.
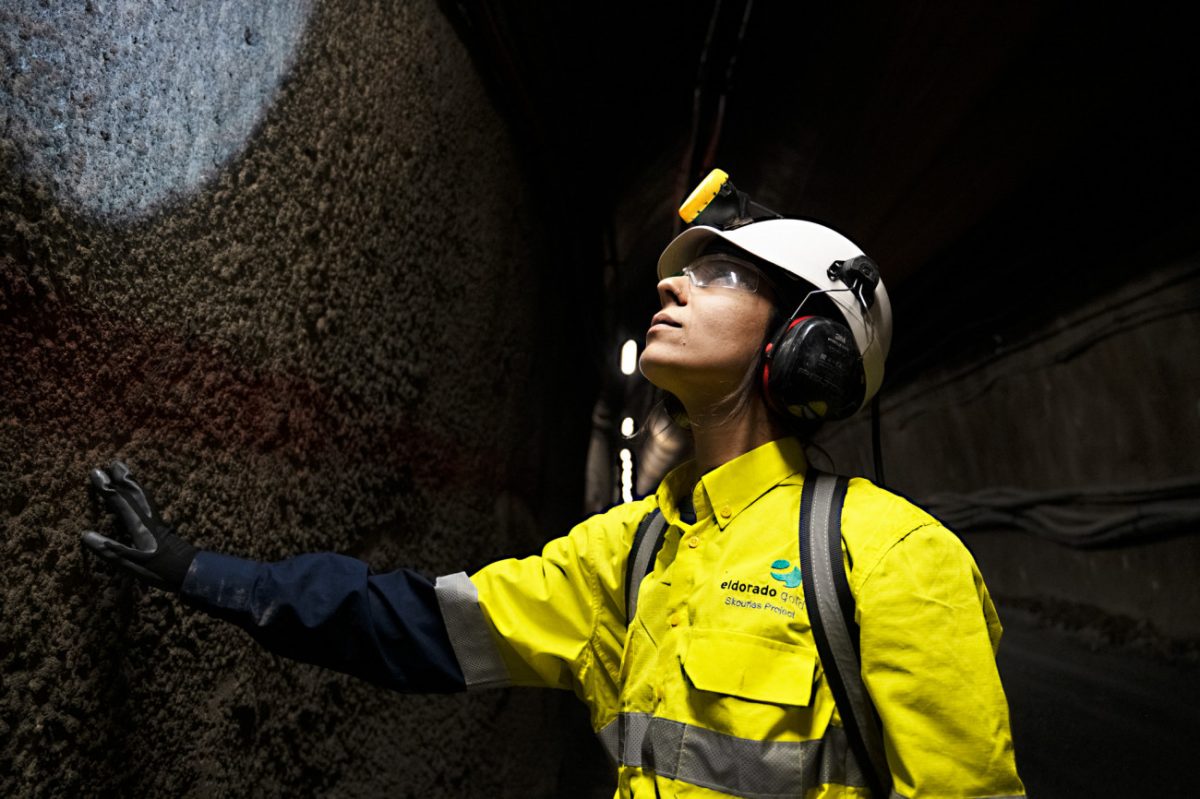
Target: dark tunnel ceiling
(1000, 161)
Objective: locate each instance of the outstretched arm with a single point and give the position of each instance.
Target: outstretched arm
(324, 609)
(330, 610)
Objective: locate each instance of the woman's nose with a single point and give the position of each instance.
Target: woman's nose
(673, 290)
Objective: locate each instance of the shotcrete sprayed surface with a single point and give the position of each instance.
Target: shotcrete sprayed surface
(329, 343)
(116, 106)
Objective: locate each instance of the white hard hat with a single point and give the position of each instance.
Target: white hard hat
(805, 249)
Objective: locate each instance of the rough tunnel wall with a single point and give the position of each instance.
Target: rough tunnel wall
(296, 291)
(1085, 425)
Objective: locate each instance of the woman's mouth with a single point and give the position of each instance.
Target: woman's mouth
(662, 320)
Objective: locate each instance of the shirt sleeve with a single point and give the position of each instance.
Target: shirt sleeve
(544, 620)
(329, 610)
(928, 635)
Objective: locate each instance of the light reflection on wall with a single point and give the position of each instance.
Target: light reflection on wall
(629, 357)
(116, 107)
(626, 476)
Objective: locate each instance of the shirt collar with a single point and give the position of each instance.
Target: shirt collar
(732, 487)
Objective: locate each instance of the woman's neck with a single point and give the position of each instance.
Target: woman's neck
(721, 437)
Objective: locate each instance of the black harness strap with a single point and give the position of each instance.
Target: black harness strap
(831, 612)
(646, 543)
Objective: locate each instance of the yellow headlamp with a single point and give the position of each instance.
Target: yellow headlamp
(716, 202)
(703, 195)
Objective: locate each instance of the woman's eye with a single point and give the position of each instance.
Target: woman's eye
(725, 278)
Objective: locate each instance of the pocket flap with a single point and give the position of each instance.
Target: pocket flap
(750, 667)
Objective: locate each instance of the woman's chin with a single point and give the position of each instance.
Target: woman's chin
(658, 373)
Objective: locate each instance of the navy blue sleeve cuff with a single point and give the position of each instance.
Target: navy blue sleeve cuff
(220, 582)
(329, 610)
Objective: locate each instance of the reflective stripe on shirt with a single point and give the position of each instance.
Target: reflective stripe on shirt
(739, 766)
(481, 664)
(894, 795)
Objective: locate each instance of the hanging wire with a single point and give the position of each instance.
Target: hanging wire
(689, 167)
(877, 442)
(685, 168)
(710, 152)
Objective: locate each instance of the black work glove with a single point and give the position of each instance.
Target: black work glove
(158, 556)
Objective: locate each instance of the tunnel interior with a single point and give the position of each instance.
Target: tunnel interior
(358, 278)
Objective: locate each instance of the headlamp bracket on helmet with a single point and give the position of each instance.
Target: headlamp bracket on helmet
(716, 202)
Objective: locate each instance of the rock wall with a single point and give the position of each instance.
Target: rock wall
(284, 260)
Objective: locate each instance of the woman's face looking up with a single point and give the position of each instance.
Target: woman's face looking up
(710, 330)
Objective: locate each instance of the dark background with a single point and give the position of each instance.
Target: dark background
(356, 277)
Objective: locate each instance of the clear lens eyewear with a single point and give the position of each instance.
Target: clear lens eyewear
(723, 271)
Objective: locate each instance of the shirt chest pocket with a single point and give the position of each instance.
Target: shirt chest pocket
(749, 668)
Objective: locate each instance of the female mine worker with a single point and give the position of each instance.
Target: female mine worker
(715, 687)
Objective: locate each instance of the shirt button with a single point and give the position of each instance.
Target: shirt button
(694, 541)
(726, 512)
(676, 619)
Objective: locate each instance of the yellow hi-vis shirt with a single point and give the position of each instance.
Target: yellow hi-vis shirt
(715, 689)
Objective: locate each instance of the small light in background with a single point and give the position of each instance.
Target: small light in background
(626, 476)
(629, 357)
(627, 426)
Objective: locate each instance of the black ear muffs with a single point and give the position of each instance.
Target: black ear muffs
(812, 370)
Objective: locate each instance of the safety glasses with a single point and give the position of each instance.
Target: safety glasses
(723, 271)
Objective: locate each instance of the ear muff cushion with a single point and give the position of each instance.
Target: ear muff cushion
(812, 370)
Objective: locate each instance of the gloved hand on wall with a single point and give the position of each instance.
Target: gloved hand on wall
(158, 556)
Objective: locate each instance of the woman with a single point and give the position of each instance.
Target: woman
(714, 688)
